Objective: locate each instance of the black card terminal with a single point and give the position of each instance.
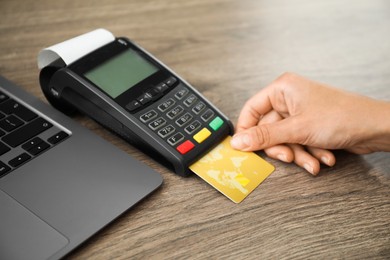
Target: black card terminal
(130, 92)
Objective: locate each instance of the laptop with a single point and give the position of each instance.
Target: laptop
(59, 182)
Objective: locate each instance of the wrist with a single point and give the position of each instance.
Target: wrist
(379, 123)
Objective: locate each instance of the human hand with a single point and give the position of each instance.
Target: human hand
(295, 119)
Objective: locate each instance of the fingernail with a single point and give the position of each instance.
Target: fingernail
(308, 168)
(282, 157)
(240, 141)
(325, 160)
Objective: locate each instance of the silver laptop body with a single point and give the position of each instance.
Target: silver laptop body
(53, 198)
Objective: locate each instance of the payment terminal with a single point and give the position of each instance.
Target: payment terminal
(130, 92)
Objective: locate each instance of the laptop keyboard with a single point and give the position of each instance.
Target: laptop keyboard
(23, 134)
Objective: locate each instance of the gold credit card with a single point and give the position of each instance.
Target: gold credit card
(234, 173)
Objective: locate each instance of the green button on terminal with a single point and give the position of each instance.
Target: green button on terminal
(216, 123)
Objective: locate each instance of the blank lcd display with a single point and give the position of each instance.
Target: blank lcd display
(121, 72)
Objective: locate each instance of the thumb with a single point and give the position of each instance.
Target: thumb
(263, 136)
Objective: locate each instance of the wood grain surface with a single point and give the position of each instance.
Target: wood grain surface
(229, 50)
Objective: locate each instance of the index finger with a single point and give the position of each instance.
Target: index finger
(254, 109)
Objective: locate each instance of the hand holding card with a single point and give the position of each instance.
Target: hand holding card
(234, 173)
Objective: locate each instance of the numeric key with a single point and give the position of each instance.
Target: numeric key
(198, 107)
(190, 100)
(184, 119)
(166, 104)
(181, 93)
(192, 127)
(164, 132)
(175, 112)
(148, 116)
(156, 124)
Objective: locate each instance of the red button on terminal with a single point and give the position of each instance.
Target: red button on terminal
(185, 147)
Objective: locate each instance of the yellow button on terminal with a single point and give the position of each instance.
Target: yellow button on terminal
(202, 135)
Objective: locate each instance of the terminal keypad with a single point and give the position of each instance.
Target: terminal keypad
(182, 119)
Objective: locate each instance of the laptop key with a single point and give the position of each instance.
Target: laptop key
(26, 132)
(12, 107)
(3, 148)
(33, 142)
(10, 123)
(57, 137)
(39, 148)
(19, 159)
(3, 97)
(4, 168)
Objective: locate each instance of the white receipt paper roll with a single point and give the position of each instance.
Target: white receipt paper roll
(75, 48)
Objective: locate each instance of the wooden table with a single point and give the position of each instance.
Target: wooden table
(229, 50)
